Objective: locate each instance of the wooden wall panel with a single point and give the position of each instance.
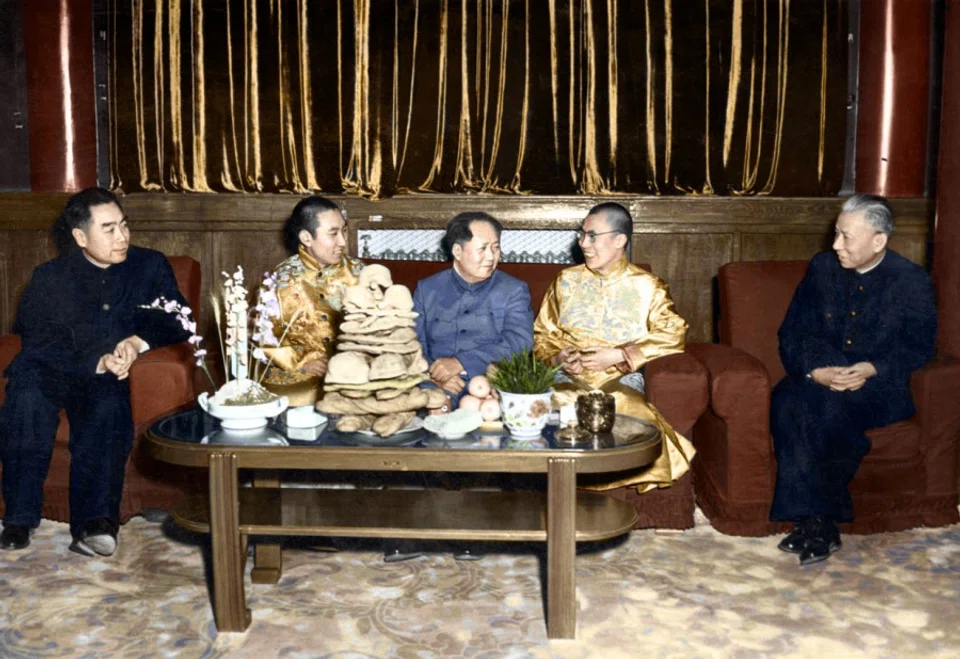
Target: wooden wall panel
(688, 264)
(22, 251)
(685, 239)
(782, 246)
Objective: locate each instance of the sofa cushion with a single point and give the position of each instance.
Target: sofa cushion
(896, 442)
(747, 287)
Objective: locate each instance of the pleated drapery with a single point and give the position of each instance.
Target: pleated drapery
(383, 97)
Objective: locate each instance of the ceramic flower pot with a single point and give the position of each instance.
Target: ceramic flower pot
(525, 415)
(240, 417)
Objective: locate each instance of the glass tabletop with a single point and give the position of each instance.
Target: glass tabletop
(195, 426)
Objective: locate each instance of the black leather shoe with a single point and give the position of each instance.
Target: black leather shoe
(823, 539)
(795, 541)
(14, 537)
(400, 551)
(98, 538)
(467, 554)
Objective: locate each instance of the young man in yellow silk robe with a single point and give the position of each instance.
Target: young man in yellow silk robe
(309, 290)
(602, 322)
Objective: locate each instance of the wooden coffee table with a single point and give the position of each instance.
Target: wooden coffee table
(561, 516)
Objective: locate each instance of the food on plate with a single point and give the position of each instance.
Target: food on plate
(479, 387)
(490, 409)
(469, 402)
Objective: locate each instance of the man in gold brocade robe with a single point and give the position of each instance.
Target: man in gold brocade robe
(602, 322)
(309, 290)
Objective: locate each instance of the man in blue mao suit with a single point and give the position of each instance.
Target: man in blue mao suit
(472, 314)
(82, 325)
(468, 316)
(861, 321)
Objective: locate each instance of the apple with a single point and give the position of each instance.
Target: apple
(490, 409)
(470, 403)
(479, 387)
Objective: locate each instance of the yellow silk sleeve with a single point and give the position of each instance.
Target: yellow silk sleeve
(666, 332)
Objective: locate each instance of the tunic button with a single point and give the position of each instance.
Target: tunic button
(106, 307)
(849, 342)
(859, 288)
(853, 313)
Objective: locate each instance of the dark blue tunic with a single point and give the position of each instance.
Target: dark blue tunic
(839, 317)
(71, 314)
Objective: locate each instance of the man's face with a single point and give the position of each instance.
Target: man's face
(478, 258)
(857, 243)
(106, 239)
(329, 241)
(601, 247)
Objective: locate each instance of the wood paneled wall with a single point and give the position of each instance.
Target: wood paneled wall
(685, 239)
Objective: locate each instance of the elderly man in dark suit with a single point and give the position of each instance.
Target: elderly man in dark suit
(82, 323)
(861, 321)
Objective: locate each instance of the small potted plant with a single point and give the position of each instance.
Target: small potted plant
(525, 385)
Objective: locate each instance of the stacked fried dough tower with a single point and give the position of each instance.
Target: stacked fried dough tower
(372, 380)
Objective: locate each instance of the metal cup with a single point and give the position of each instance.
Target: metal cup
(596, 411)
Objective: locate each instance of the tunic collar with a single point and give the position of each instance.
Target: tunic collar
(80, 263)
(313, 265)
(466, 286)
(616, 270)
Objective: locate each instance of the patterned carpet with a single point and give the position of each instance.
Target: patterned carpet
(695, 594)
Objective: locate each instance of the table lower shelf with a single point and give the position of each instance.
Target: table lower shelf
(430, 514)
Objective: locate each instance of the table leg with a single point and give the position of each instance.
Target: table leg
(267, 558)
(561, 548)
(229, 599)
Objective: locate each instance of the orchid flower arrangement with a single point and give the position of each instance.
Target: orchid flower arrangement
(241, 348)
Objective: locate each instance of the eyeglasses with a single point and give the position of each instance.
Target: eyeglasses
(591, 236)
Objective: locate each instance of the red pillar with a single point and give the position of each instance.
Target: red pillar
(58, 40)
(946, 247)
(894, 89)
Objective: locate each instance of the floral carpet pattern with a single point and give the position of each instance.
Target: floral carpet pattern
(696, 594)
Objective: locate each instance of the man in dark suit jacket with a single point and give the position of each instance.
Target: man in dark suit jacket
(861, 321)
(82, 325)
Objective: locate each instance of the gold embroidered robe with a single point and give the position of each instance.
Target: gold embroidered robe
(627, 308)
(311, 296)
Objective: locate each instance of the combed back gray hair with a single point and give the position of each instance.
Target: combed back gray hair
(876, 210)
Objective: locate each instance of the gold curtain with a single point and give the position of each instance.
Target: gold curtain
(381, 97)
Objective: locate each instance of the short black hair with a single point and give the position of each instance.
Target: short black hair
(304, 217)
(459, 233)
(76, 215)
(618, 217)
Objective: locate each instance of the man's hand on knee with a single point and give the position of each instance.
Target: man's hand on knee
(851, 378)
(825, 375)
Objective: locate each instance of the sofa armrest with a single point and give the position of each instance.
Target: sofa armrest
(733, 442)
(936, 396)
(739, 383)
(677, 386)
(161, 381)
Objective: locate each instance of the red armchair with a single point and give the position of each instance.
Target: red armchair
(908, 479)
(160, 381)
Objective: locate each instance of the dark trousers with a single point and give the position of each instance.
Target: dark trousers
(819, 441)
(101, 436)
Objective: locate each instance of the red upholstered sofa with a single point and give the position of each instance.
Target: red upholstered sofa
(908, 479)
(676, 385)
(160, 381)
